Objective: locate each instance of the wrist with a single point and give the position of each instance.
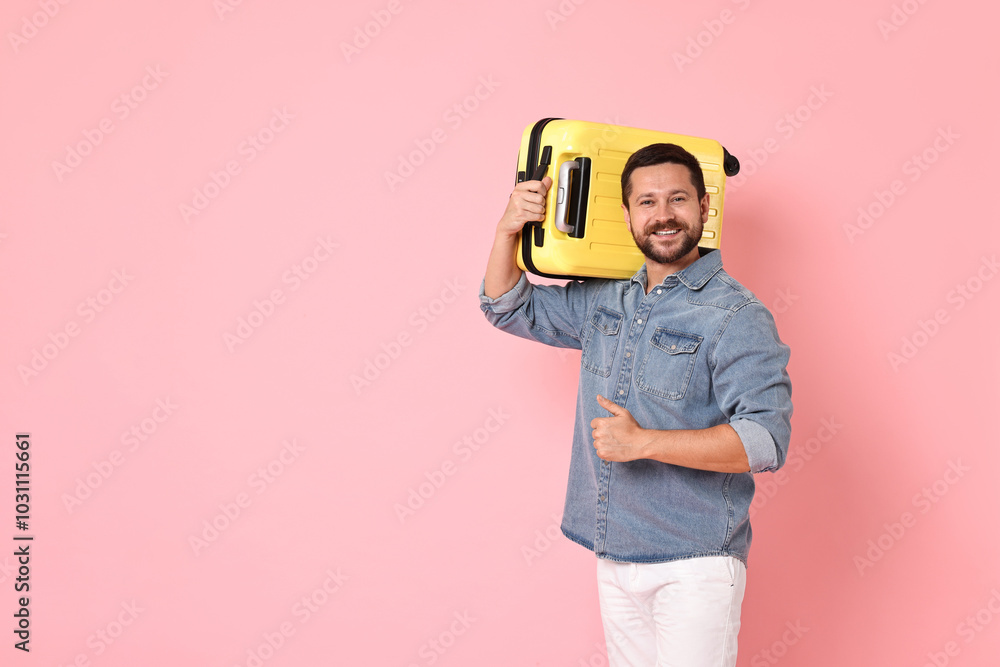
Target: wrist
(506, 233)
(647, 443)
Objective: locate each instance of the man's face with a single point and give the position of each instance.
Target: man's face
(664, 214)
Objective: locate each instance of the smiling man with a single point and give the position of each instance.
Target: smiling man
(683, 397)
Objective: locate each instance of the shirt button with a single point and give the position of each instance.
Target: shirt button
(659, 291)
(628, 354)
(638, 321)
(621, 391)
(673, 347)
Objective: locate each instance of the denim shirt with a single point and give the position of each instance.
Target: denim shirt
(697, 351)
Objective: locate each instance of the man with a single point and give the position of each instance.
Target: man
(683, 395)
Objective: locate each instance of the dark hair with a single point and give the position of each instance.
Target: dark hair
(655, 154)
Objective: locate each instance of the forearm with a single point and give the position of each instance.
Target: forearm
(717, 449)
(502, 272)
(526, 204)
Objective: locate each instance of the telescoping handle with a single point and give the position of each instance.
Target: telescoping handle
(534, 229)
(543, 164)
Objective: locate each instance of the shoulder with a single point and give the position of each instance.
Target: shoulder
(724, 291)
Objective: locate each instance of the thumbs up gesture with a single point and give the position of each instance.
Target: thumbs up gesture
(618, 437)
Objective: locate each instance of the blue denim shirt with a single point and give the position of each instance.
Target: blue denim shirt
(697, 351)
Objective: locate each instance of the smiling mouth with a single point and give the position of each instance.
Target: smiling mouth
(666, 232)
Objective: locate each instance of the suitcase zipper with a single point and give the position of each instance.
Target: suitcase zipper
(533, 234)
(536, 235)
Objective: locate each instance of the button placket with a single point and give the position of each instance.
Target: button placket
(621, 395)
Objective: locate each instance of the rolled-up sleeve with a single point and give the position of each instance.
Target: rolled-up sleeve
(550, 314)
(750, 377)
(507, 302)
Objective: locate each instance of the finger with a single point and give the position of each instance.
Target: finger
(539, 188)
(526, 214)
(533, 199)
(524, 200)
(533, 208)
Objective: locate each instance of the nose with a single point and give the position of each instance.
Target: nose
(662, 213)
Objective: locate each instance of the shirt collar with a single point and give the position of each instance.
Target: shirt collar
(695, 275)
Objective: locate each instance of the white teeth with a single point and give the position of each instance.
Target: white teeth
(666, 232)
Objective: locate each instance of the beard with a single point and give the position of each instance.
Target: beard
(647, 245)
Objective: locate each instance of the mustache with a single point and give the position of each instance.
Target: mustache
(662, 227)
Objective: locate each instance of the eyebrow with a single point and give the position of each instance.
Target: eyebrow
(669, 193)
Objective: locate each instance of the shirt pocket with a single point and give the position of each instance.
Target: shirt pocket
(669, 363)
(602, 341)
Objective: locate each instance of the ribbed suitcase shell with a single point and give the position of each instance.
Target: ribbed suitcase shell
(606, 248)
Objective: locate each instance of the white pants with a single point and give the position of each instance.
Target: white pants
(685, 613)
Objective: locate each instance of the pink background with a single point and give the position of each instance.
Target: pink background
(876, 545)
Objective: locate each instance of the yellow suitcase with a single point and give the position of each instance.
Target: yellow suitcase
(584, 233)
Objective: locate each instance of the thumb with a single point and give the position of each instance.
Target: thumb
(547, 182)
(610, 406)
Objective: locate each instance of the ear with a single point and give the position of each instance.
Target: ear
(704, 209)
(628, 218)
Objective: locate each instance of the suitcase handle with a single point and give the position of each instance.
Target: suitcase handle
(562, 196)
(572, 196)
